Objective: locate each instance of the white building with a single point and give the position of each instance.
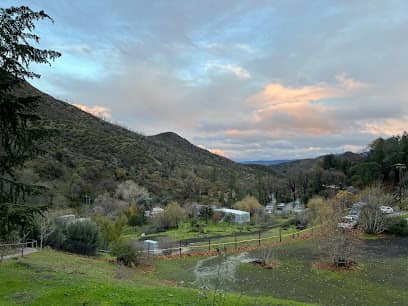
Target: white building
(156, 211)
(237, 216)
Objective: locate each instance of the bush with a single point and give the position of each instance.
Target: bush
(400, 228)
(57, 238)
(82, 237)
(404, 204)
(128, 253)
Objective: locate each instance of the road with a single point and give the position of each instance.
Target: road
(399, 213)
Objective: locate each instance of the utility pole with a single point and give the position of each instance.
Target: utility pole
(401, 175)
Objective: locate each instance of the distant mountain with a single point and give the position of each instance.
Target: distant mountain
(266, 162)
(85, 155)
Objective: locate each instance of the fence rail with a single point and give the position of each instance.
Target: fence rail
(11, 249)
(216, 244)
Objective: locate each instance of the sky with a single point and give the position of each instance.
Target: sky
(250, 80)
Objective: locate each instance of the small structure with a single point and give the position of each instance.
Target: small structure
(281, 206)
(65, 218)
(195, 209)
(82, 219)
(269, 208)
(237, 216)
(68, 219)
(156, 211)
(151, 246)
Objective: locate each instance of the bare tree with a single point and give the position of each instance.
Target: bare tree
(336, 242)
(45, 227)
(372, 220)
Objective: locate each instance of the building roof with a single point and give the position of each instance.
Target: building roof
(232, 211)
(157, 209)
(150, 241)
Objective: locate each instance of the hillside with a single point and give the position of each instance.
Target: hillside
(85, 155)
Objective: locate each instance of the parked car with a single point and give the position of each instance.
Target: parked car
(386, 209)
(348, 222)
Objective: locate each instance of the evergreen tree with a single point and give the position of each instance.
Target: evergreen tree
(18, 130)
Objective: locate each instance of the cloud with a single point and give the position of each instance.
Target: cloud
(96, 110)
(238, 71)
(214, 151)
(349, 83)
(238, 76)
(302, 109)
(385, 127)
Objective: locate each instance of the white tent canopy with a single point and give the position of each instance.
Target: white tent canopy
(238, 216)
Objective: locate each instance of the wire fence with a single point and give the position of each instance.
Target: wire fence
(218, 245)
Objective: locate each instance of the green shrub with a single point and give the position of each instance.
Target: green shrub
(128, 253)
(57, 238)
(82, 237)
(400, 228)
(404, 204)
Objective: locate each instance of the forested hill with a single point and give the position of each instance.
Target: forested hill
(85, 155)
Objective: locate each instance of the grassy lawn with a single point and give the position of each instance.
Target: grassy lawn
(379, 279)
(55, 278)
(186, 231)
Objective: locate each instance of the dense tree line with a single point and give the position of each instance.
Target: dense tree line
(379, 164)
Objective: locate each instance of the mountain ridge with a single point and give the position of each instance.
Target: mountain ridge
(88, 155)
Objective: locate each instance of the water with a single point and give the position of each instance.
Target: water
(219, 268)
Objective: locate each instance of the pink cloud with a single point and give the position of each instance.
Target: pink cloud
(388, 127)
(96, 110)
(216, 151)
(294, 109)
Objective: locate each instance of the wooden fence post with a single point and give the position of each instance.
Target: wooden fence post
(22, 251)
(180, 248)
(209, 245)
(259, 238)
(280, 234)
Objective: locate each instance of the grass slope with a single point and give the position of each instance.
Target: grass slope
(54, 278)
(379, 279)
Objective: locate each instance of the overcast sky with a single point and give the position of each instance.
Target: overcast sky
(248, 79)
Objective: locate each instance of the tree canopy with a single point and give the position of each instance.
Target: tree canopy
(17, 125)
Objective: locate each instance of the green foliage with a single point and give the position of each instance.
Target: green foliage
(206, 213)
(249, 204)
(17, 112)
(110, 231)
(399, 228)
(127, 253)
(57, 238)
(82, 237)
(174, 214)
(404, 204)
